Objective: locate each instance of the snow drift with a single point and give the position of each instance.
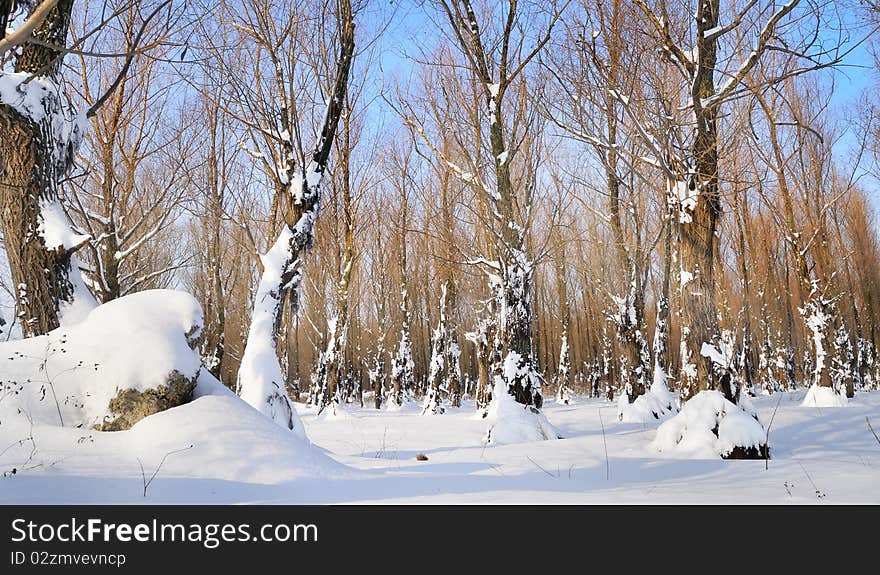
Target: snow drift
(205, 451)
(69, 376)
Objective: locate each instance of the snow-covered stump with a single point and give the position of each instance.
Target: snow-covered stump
(563, 396)
(260, 380)
(511, 421)
(818, 317)
(709, 423)
(127, 359)
(402, 374)
(711, 426)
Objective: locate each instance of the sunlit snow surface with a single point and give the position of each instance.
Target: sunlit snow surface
(819, 455)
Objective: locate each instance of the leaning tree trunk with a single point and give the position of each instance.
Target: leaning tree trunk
(36, 149)
(260, 380)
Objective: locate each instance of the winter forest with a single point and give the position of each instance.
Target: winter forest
(439, 251)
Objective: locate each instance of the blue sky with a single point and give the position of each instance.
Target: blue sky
(412, 26)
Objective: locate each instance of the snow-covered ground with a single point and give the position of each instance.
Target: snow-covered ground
(819, 455)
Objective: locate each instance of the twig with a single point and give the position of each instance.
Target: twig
(605, 444)
(767, 437)
(868, 421)
(381, 451)
(819, 493)
(153, 476)
(539, 467)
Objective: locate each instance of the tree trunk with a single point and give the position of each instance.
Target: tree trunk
(699, 214)
(34, 155)
(333, 357)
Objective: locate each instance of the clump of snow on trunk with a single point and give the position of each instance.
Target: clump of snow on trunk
(711, 426)
(260, 381)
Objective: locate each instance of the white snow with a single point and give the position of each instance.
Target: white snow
(57, 234)
(717, 357)
(81, 304)
(40, 99)
(55, 228)
(652, 406)
(818, 396)
(70, 374)
(239, 456)
(687, 200)
(217, 448)
(685, 278)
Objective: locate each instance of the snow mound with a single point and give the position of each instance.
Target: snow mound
(709, 426)
(818, 396)
(68, 376)
(512, 422)
(217, 436)
(651, 406)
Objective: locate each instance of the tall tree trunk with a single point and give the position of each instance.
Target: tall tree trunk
(699, 214)
(746, 363)
(662, 321)
(333, 358)
(563, 372)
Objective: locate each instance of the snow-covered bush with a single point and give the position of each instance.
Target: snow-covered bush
(818, 396)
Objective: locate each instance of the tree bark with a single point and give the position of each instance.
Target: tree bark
(32, 160)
